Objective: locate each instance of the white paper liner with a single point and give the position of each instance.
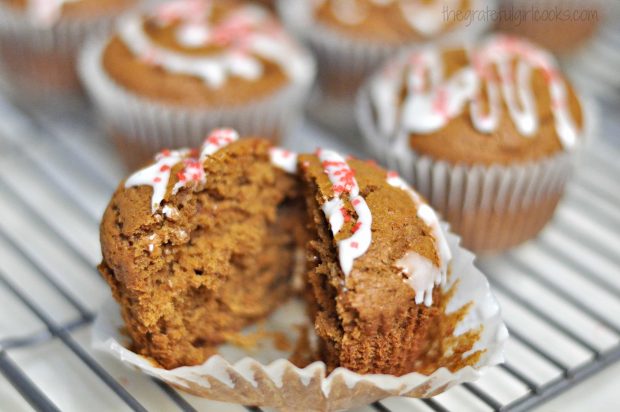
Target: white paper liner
(493, 207)
(346, 58)
(149, 125)
(266, 378)
(39, 61)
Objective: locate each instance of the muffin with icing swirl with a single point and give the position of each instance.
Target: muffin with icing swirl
(169, 75)
(486, 132)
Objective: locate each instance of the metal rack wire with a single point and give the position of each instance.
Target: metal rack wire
(559, 292)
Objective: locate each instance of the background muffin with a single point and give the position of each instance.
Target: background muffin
(485, 133)
(560, 26)
(351, 38)
(39, 41)
(168, 76)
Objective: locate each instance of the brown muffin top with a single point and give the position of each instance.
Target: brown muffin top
(384, 233)
(391, 21)
(51, 11)
(199, 53)
(501, 102)
(555, 34)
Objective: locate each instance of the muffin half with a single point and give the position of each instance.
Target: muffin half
(199, 244)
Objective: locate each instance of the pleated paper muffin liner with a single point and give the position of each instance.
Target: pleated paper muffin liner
(39, 61)
(345, 61)
(142, 126)
(492, 208)
(265, 377)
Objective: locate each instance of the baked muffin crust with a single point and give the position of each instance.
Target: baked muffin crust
(500, 102)
(203, 54)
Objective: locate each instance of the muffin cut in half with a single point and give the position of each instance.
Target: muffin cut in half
(198, 245)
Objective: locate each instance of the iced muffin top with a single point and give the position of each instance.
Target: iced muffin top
(204, 52)
(502, 101)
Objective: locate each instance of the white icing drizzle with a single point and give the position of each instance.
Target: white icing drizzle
(157, 175)
(422, 274)
(192, 172)
(426, 18)
(335, 213)
(247, 32)
(432, 100)
(283, 159)
(216, 140)
(46, 12)
(343, 181)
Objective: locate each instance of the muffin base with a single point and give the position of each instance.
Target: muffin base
(487, 231)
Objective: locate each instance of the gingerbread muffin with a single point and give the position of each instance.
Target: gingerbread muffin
(39, 42)
(171, 74)
(560, 26)
(196, 246)
(485, 132)
(375, 257)
(199, 244)
(351, 38)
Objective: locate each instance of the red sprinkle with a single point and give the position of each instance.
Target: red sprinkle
(345, 214)
(356, 227)
(392, 173)
(181, 176)
(328, 163)
(213, 140)
(164, 168)
(355, 202)
(157, 180)
(165, 152)
(354, 245)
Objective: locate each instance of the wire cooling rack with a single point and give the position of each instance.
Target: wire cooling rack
(560, 294)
